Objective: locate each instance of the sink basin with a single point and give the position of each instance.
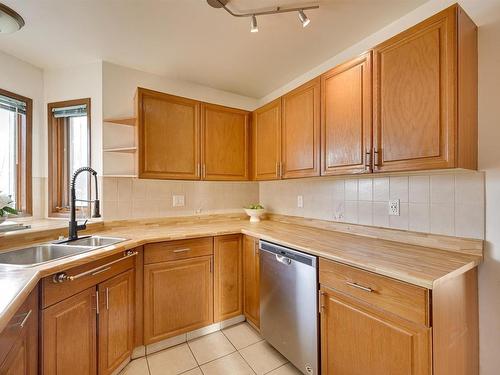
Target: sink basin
(94, 241)
(38, 254)
(34, 255)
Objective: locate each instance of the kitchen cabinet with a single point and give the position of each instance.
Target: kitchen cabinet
(266, 141)
(116, 321)
(178, 296)
(357, 339)
(69, 335)
(169, 136)
(300, 131)
(425, 96)
(251, 280)
(228, 285)
(346, 117)
(19, 340)
(87, 324)
(225, 143)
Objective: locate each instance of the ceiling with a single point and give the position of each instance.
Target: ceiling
(191, 41)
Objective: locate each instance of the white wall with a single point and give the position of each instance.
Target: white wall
(25, 79)
(82, 81)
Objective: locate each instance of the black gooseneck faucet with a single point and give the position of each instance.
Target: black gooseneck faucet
(73, 224)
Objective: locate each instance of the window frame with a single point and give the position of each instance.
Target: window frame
(56, 175)
(24, 206)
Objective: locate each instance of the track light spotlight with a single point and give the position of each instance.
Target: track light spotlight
(303, 18)
(254, 28)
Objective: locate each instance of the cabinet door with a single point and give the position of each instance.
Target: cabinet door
(169, 136)
(346, 117)
(22, 357)
(357, 340)
(225, 143)
(300, 131)
(414, 96)
(266, 141)
(178, 297)
(228, 299)
(251, 279)
(69, 336)
(116, 321)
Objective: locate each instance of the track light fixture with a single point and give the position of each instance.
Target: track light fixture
(254, 28)
(303, 18)
(253, 25)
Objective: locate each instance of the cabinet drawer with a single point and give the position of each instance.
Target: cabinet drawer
(27, 314)
(175, 250)
(408, 301)
(87, 275)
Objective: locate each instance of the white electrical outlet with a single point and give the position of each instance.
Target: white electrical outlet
(300, 201)
(178, 200)
(394, 207)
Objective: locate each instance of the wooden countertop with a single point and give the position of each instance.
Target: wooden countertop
(418, 265)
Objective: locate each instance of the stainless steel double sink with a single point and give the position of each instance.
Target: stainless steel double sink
(38, 254)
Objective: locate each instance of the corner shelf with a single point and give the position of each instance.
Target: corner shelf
(127, 150)
(127, 121)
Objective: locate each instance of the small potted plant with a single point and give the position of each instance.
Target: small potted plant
(5, 207)
(255, 211)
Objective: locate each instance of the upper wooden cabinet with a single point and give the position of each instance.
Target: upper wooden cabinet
(300, 146)
(228, 286)
(425, 96)
(346, 117)
(168, 135)
(266, 141)
(225, 143)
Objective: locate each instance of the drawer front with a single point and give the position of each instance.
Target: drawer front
(408, 301)
(88, 275)
(25, 315)
(180, 249)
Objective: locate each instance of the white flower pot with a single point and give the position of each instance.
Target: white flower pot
(255, 215)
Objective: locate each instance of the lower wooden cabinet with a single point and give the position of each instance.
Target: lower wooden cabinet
(116, 321)
(178, 297)
(251, 280)
(228, 301)
(69, 335)
(92, 331)
(19, 340)
(359, 340)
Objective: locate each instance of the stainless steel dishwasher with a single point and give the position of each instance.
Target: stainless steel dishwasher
(289, 304)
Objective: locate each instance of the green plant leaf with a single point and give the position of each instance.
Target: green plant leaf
(10, 210)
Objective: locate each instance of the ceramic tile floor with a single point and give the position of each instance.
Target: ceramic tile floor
(236, 350)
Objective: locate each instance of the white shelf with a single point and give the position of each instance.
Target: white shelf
(121, 175)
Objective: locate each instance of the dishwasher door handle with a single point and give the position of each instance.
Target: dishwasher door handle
(283, 259)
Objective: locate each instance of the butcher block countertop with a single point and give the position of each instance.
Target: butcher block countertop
(415, 264)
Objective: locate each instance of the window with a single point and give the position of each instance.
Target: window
(15, 149)
(69, 149)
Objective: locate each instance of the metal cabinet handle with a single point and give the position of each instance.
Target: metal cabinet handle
(375, 158)
(368, 160)
(354, 285)
(23, 323)
(107, 298)
(63, 276)
(97, 302)
(182, 250)
(284, 260)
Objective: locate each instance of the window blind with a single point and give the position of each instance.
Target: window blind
(11, 104)
(72, 111)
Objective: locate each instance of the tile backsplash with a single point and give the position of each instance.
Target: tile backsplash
(125, 198)
(449, 203)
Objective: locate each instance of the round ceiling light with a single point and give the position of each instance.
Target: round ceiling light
(10, 20)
